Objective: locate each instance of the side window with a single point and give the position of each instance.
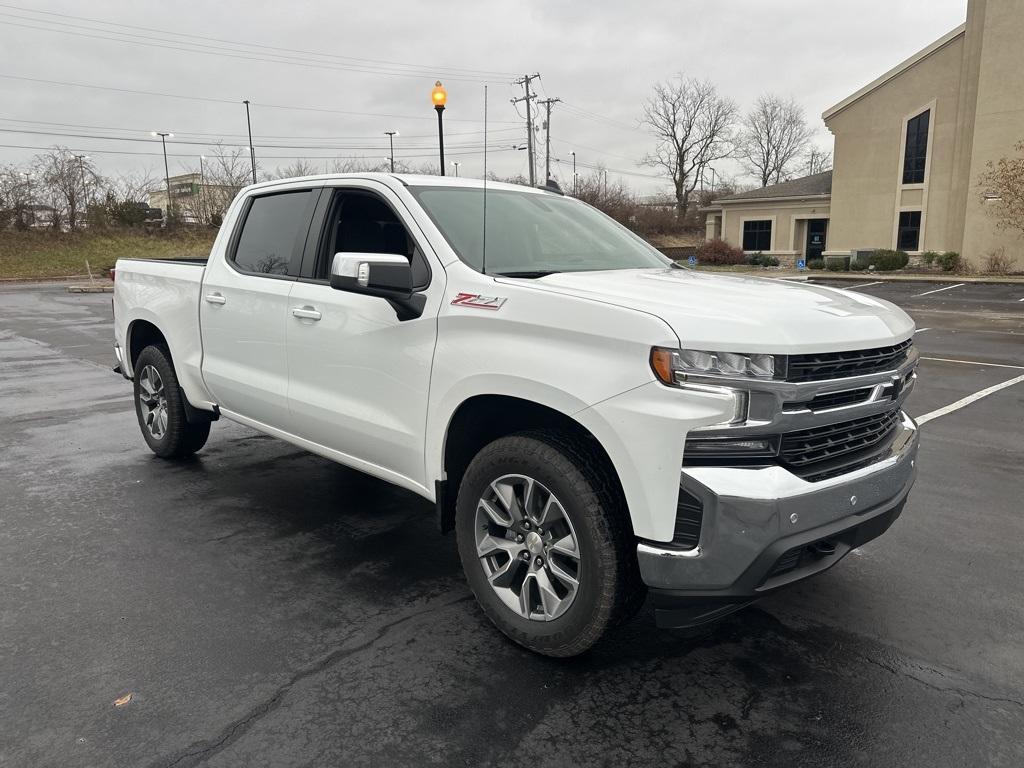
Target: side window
(270, 233)
(361, 222)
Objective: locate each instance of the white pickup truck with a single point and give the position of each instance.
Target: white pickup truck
(594, 422)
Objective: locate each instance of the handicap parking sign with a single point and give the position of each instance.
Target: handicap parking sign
(801, 264)
(693, 261)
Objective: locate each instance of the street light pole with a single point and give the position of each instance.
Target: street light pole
(85, 187)
(574, 173)
(439, 97)
(164, 136)
(202, 189)
(252, 152)
(391, 138)
(456, 165)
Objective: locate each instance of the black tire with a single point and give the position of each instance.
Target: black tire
(610, 589)
(178, 437)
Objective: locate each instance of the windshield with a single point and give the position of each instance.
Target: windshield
(531, 235)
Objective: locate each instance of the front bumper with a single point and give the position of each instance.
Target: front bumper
(764, 528)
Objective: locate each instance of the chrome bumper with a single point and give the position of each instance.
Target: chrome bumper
(754, 515)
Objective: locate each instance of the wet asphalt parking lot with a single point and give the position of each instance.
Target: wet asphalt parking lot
(264, 607)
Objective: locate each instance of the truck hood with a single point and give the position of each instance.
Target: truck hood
(744, 314)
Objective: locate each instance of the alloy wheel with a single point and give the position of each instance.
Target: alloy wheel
(153, 401)
(527, 547)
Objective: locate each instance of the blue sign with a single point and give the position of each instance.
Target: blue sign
(693, 261)
(801, 264)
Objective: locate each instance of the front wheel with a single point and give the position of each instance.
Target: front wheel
(160, 407)
(545, 542)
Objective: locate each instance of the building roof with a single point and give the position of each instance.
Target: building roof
(899, 69)
(818, 185)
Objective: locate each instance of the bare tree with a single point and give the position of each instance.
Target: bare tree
(1002, 188)
(817, 161)
(774, 137)
(227, 170)
(693, 126)
(66, 179)
(300, 167)
(17, 192)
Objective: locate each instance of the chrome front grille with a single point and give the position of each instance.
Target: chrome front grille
(823, 366)
(835, 448)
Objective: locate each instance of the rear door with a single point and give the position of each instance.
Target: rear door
(358, 376)
(244, 305)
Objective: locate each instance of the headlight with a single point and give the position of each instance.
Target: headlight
(672, 366)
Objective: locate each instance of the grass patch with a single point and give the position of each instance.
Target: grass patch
(47, 254)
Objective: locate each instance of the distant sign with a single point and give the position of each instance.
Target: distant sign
(692, 261)
(801, 264)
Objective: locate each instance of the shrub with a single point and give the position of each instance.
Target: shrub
(837, 263)
(929, 257)
(886, 260)
(719, 252)
(761, 260)
(998, 263)
(858, 266)
(816, 264)
(949, 261)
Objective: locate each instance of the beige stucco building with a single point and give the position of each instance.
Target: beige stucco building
(909, 150)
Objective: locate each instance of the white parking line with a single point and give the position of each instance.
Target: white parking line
(965, 401)
(973, 362)
(922, 330)
(865, 285)
(947, 288)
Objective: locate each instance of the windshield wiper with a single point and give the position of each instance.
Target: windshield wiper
(529, 274)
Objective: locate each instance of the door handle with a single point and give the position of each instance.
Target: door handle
(215, 298)
(306, 313)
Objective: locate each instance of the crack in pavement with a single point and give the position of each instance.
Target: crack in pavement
(961, 692)
(200, 751)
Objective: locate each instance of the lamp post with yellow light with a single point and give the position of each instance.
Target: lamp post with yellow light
(439, 96)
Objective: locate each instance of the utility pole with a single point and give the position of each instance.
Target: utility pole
(547, 136)
(85, 187)
(525, 82)
(252, 152)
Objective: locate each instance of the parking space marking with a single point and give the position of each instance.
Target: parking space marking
(972, 362)
(947, 288)
(965, 401)
(865, 285)
(922, 330)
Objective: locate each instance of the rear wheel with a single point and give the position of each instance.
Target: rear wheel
(160, 407)
(545, 543)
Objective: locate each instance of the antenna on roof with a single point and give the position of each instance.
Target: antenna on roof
(483, 254)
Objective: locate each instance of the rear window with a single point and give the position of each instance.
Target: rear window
(271, 232)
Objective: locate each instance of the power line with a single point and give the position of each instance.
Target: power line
(221, 135)
(267, 157)
(368, 147)
(149, 41)
(431, 68)
(233, 102)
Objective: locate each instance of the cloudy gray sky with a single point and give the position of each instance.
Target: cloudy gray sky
(375, 63)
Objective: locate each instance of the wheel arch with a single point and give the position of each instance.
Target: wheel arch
(482, 418)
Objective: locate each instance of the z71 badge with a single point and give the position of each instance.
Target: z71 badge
(476, 301)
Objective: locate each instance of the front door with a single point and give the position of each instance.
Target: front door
(358, 376)
(816, 229)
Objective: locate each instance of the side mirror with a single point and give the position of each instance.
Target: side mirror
(386, 275)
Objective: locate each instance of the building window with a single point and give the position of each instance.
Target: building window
(916, 152)
(908, 236)
(757, 235)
